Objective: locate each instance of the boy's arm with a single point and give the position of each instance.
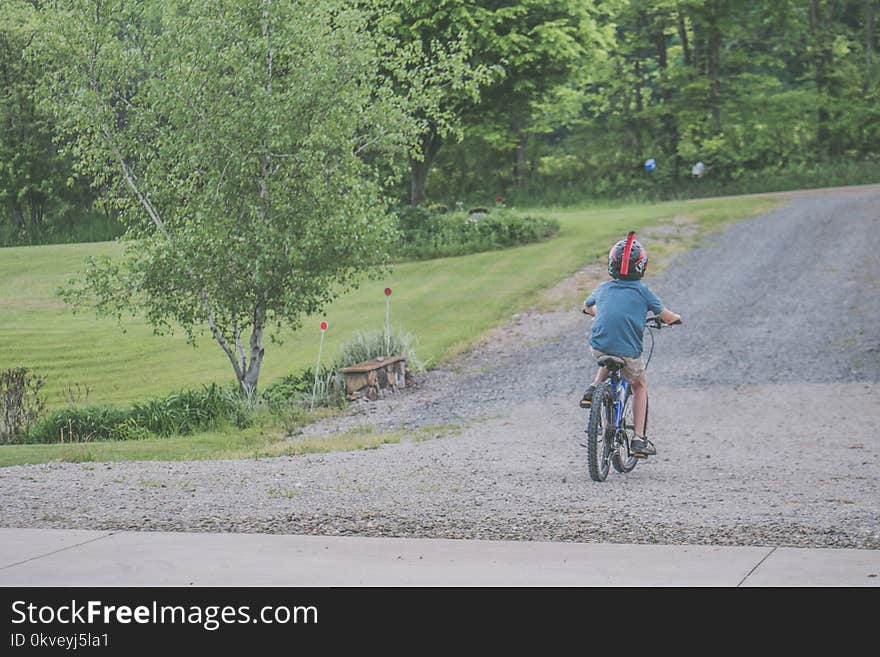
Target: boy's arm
(590, 302)
(669, 317)
(590, 305)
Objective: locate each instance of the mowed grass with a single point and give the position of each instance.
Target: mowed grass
(256, 442)
(446, 303)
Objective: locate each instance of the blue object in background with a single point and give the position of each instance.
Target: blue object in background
(650, 165)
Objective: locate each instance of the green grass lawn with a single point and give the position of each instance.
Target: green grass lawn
(256, 442)
(446, 303)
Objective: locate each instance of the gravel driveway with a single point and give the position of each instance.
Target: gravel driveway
(764, 410)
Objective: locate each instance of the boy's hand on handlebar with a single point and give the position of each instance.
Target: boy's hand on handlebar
(658, 321)
(669, 317)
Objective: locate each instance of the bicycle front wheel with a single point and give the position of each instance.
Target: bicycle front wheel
(599, 428)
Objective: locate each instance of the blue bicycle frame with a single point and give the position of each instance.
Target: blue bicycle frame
(619, 389)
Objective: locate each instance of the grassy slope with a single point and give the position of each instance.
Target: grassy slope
(447, 303)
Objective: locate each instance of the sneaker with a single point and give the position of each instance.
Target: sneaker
(587, 399)
(641, 448)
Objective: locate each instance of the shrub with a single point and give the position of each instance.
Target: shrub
(294, 386)
(185, 412)
(424, 234)
(80, 424)
(300, 388)
(20, 402)
(180, 413)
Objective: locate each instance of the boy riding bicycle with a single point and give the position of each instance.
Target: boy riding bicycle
(620, 308)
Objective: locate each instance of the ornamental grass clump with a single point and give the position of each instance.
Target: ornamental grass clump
(369, 345)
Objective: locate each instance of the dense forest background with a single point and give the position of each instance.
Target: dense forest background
(565, 101)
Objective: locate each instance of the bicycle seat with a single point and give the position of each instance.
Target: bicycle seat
(613, 363)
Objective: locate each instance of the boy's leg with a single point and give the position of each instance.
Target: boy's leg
(587, 398)
(640, 405)
(601, 375)
(640, 445)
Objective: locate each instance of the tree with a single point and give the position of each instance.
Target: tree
(541, 44)
(241, 144)
(35, 179)
(441, 77)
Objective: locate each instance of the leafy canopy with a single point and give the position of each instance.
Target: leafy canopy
(241, 143)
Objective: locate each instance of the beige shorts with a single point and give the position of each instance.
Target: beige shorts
(633, 368)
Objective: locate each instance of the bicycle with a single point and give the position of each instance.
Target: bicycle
(611, 424)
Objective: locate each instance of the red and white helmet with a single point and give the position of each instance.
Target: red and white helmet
(628, 259)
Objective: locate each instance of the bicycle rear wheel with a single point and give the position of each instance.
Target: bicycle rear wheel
(599, 428)
(621, 459)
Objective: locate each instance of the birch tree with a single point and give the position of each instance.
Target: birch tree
(242, 144)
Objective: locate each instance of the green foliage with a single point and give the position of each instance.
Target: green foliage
(756, 90)
(89, 227)
(185, 412)
(296, 391)
(554, 100)
(425, 234)
(178, 414)
(244, 149)
(368, 345)
(83, 424)
(39, 192)
(21, 403)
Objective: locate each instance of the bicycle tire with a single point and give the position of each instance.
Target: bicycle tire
(621, 459)
(598, 433)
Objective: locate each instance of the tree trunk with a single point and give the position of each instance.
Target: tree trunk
(869, 41)
(17, 214)
(520, 161)
(35, 205)
(670, 126)
(640, 106)
(822, 61)
(713, 62)
(418, 180)
(252, 374)
(683, 37)
(429, 146)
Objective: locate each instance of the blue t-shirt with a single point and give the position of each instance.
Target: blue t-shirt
(621, 310)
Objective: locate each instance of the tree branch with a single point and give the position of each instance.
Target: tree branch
(132, 184)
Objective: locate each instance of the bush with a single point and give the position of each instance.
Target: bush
(20, 402)
(301, 388)
(83, 424)
(425, 234)
(178, 414)
(185, 412)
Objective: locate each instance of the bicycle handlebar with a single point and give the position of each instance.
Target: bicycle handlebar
(653, 320)
(656, 322)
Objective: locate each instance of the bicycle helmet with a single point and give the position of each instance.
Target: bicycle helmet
(628, 259)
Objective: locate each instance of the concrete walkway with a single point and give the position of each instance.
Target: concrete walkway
(49, 557)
